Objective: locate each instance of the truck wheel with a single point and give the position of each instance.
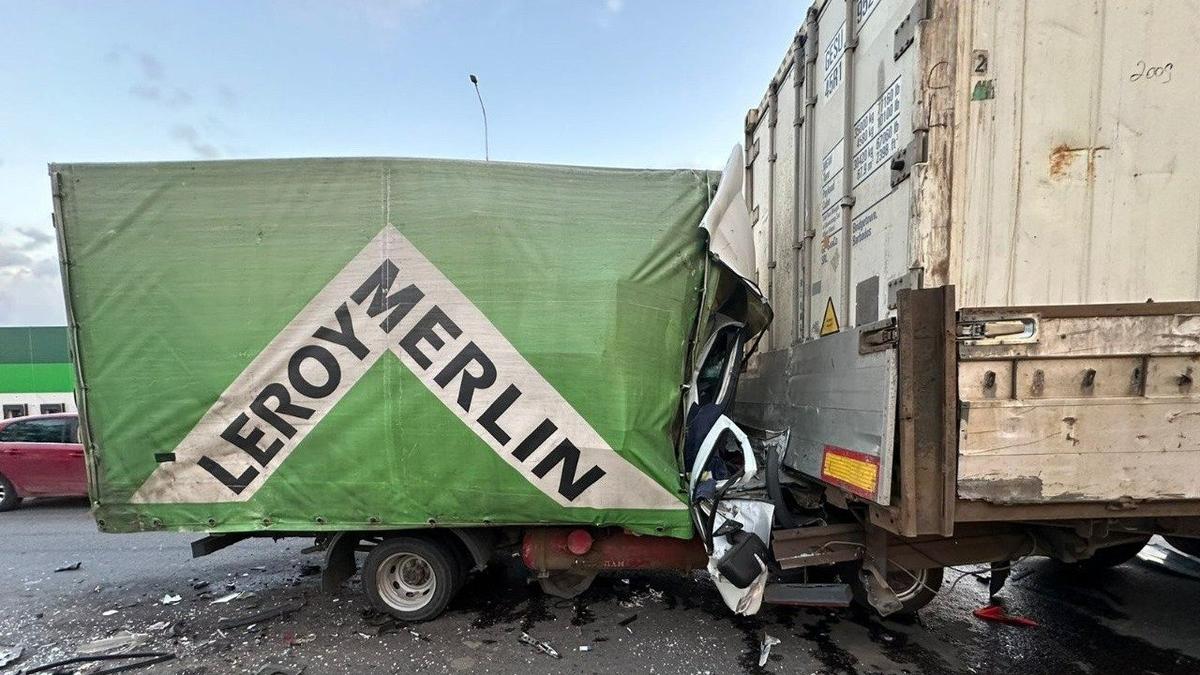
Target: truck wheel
(410, 578)
(913, 593)
(9, 499)
(1186, 545)
(1112, 556)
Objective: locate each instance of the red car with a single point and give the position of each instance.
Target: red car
(40, 456)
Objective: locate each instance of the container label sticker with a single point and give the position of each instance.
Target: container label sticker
(392, 299)
(833, 61)
(829, 324)
(853, 471)
(877, 133)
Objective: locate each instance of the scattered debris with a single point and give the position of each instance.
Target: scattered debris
(161, 625)
(121, 642)
(169, 599)
(69, 568)
(764, 652)
(108, 612)
(261, 615)
(624, 623)
(310, 570)
(540, 645)
(259, 568)
(10, 655)
(996, 613)
(273, 669)
(227, 598)
(199, 585)
(585, 648)
(291, 639)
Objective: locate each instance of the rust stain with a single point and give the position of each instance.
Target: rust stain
(1063, 156)
(1060, 159)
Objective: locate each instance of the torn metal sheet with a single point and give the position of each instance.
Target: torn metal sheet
(727, 221)
(1158, 553)
(540, 645)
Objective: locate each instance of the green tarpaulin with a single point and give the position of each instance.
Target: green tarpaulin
(327, 344)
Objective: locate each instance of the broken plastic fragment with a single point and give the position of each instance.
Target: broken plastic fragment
(169, 599)
(69, 568)
(121, 642)
(996, 613)
(540, 645)
(764, 652)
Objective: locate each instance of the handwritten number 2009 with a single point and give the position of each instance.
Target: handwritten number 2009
(1161, 73)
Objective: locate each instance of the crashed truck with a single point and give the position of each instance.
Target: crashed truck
(943, 309)
(434, 362)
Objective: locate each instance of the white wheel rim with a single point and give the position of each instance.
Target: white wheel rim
(406, 581)
(898, 579)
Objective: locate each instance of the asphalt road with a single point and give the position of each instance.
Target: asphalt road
(1133, 619)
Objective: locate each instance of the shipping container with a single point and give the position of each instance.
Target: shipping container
(979, 228)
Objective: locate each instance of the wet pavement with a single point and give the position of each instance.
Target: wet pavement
(1132, 619)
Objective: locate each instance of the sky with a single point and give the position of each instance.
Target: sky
(628, 83)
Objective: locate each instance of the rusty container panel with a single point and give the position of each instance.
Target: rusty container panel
(1078, 153)
(1079, 408)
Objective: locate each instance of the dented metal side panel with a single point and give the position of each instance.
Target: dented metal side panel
(1101, 408)
(1077, 167)
(839, 405)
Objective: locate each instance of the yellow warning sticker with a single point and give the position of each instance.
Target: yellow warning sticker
(830, 323)
(854, 471)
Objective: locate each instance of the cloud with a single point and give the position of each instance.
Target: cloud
(227, 95)
(37, 238)
(46, 268)
(28, 298)
(156, 87)
(188, 135)
(148, 92)
(13, 257)
(152, 68)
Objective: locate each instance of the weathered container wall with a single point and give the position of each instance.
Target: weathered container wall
(1078, 144)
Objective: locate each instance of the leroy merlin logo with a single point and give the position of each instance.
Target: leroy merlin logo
(391, 298)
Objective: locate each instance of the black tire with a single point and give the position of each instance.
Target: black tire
(913, 594)
(1112, 556)
(1186, 545)
(462, 558)
(9, 499)
(411, 578)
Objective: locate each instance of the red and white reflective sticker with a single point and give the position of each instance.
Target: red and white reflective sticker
(853, 471)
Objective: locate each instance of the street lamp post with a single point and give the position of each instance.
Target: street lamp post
(486, 153)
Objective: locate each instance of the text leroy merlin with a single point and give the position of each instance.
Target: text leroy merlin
(314, 373)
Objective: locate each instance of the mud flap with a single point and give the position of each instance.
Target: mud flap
(879, 594)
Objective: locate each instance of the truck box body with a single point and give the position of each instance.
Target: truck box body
(1033, 161)
(348, 344)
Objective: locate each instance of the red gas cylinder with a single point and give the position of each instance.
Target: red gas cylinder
(563, 548)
